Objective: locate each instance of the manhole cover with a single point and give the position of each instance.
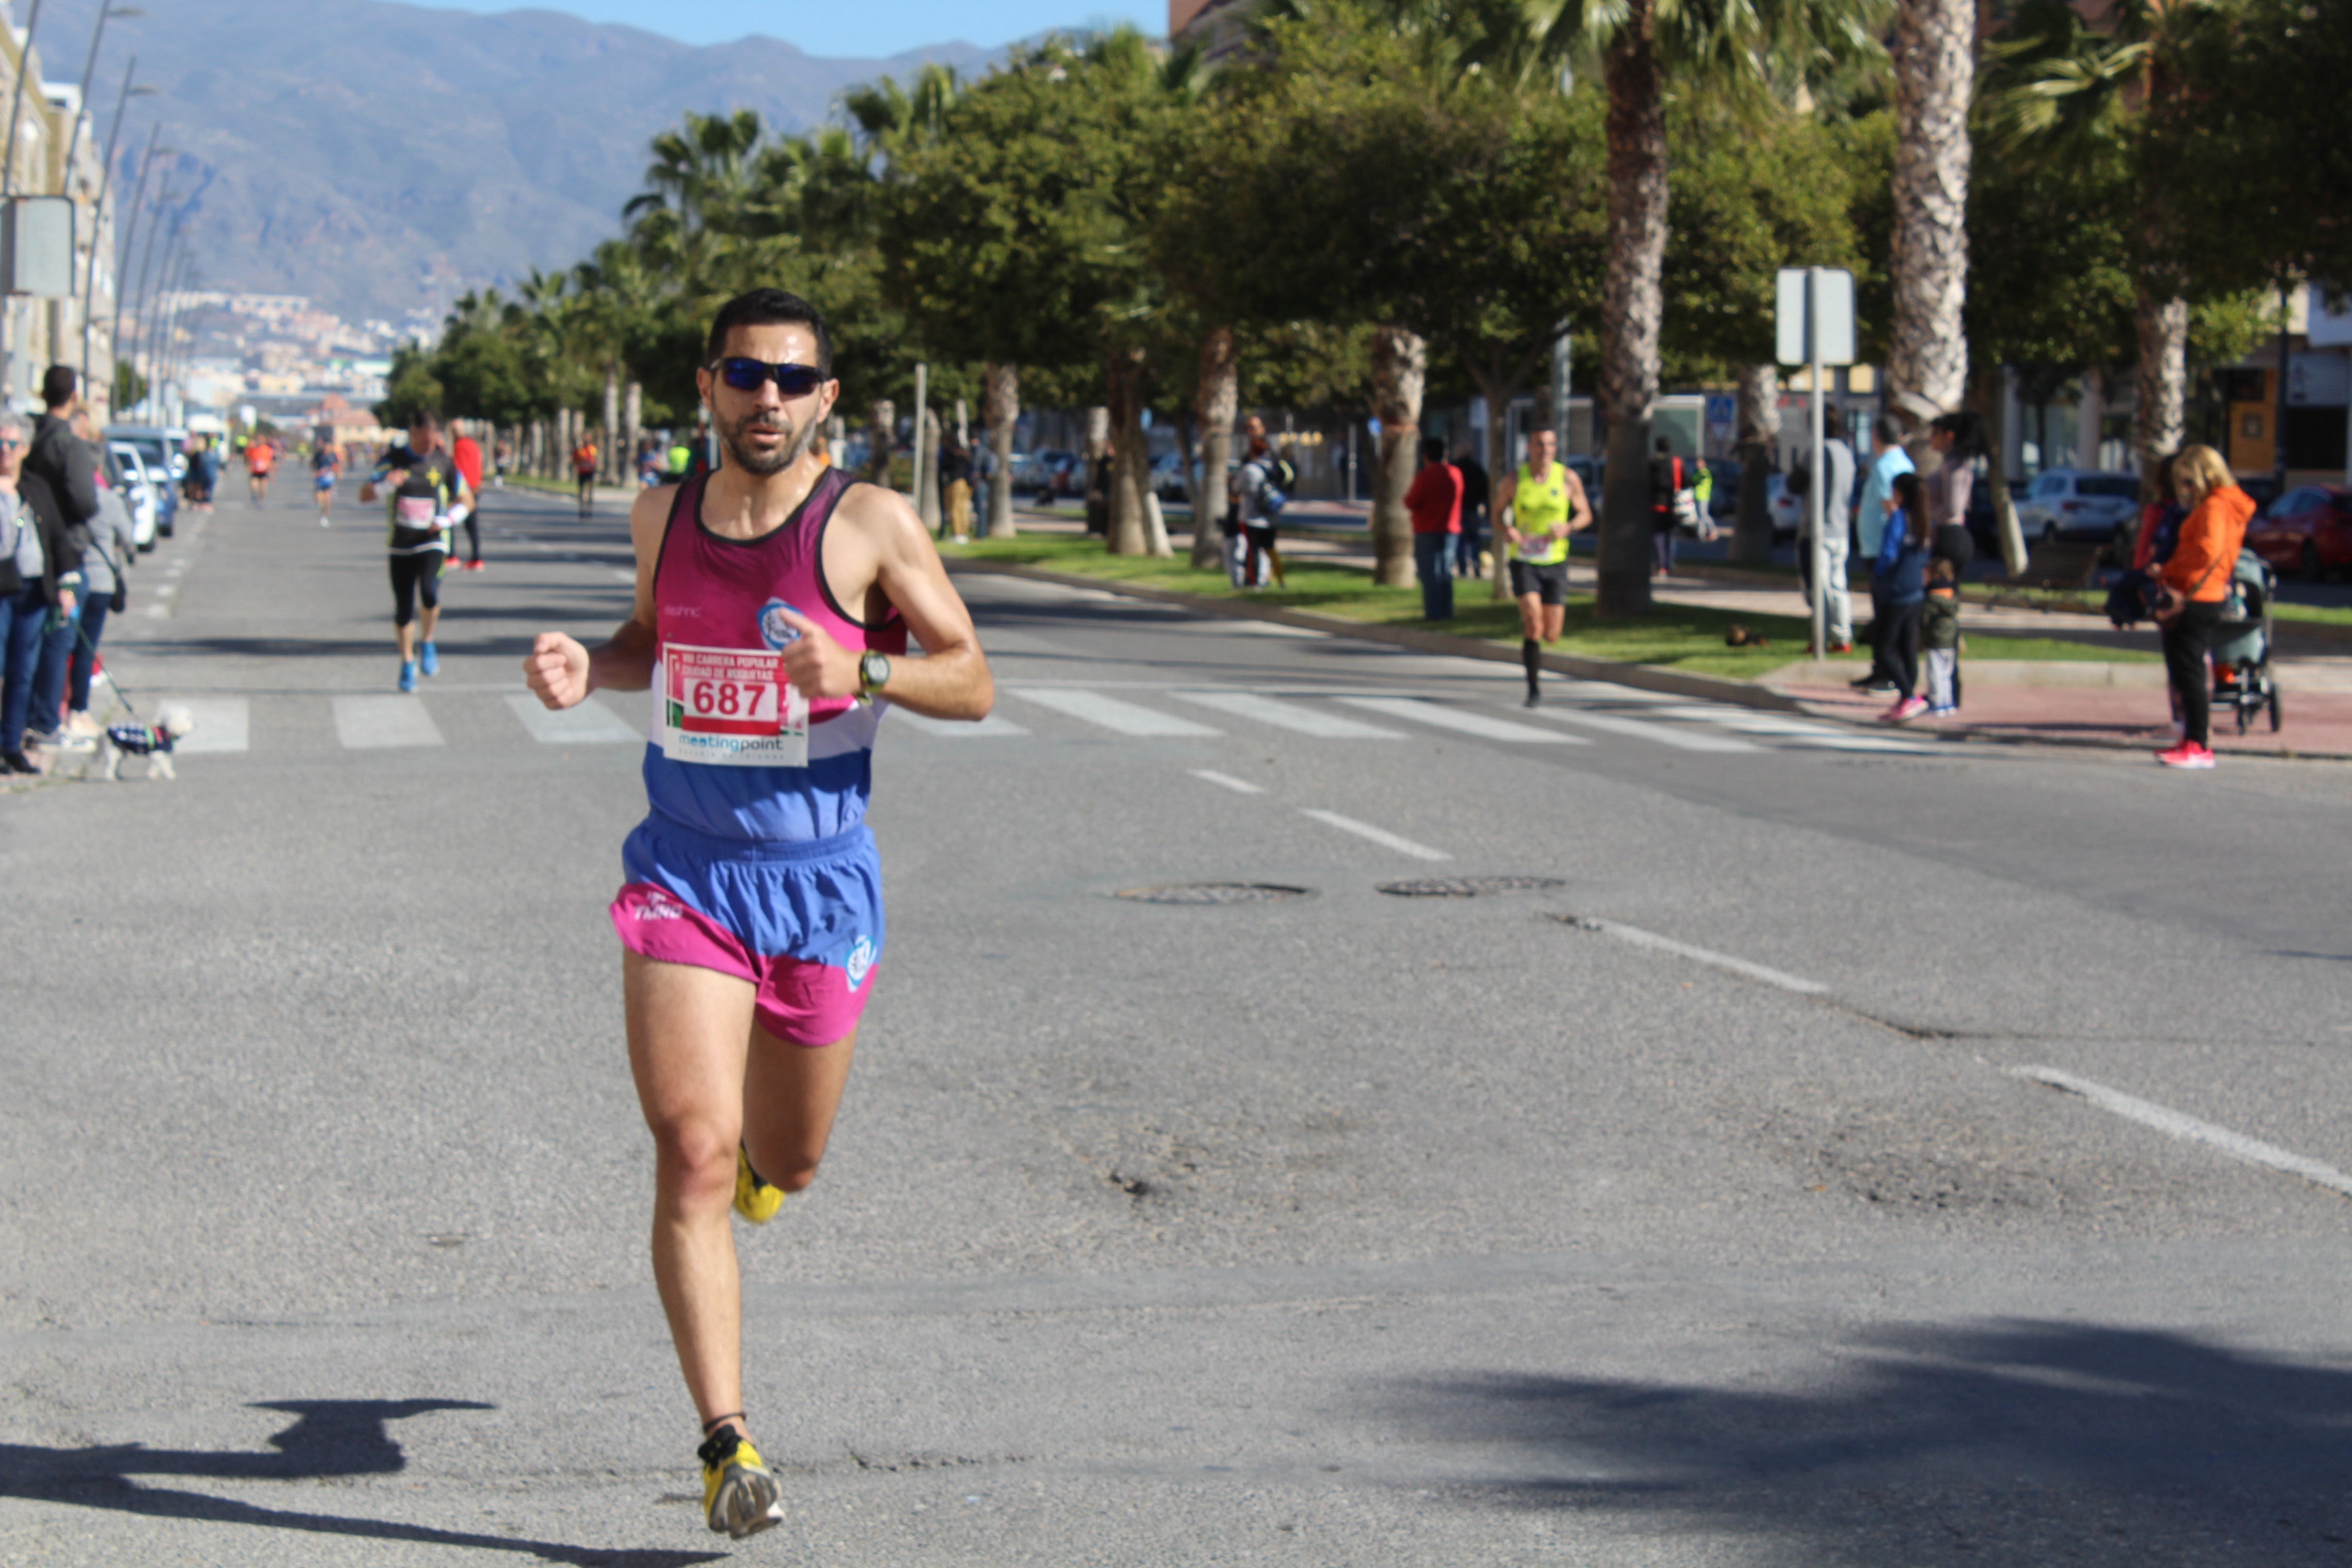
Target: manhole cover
(1212, 893)
(1468, 887)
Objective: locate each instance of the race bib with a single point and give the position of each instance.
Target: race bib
(413, 511)
(729, 706)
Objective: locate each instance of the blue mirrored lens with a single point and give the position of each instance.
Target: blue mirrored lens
(793, 380)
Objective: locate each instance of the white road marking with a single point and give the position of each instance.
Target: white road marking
(1663, 734)
(1861, 743)
(1747, 721)
(1289, 716)
(369, 723)
(2236, 1145)
(1379, 836)
(157, 611)
(628, 577)
(223, 723)
(956, 729)
(1240, 786)
(1640, 938)
(585, 724)
(1478, 724)
(1111, 712)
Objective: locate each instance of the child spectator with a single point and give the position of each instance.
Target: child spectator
(1899, 579)
(1940, 635)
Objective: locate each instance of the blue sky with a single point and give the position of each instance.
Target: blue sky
(870, 30)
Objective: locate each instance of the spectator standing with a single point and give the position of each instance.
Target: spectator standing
(68, 466)
(955, 486)
(466, 453)
(2159, 520)
(1251, 546)
(1434, 500)
(112, 544)
(1939, 636)
(1665, 483)
(1958, 441)
(1837, 502)
(1899, 583)
(1477, 491)
(1888, 461)
(39, 584)
(2191, 586)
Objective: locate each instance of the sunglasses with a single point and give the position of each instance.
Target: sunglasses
(792, 380)
(11, 442)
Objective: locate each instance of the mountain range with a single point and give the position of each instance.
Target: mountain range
(379, 157)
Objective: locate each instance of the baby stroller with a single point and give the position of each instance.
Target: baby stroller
(2242, 678)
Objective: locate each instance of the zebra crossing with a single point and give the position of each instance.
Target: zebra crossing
(1042, 711)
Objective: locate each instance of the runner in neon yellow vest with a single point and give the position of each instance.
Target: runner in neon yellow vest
(1547, 503)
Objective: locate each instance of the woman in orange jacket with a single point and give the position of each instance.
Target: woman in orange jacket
(2193, 584)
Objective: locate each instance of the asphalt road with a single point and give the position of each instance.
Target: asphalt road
(1689, 1209)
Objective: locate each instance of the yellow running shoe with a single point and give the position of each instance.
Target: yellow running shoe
(739, 1498)
(755, 1200)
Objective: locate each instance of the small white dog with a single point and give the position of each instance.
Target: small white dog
(154, 742)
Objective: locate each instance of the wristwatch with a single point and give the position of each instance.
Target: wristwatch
(873, 671)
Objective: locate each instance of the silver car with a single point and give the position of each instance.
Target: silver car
(2078, 503)
(138, 490)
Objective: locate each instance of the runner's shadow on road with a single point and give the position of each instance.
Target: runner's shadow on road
(2019, 1442)
(329, 1439)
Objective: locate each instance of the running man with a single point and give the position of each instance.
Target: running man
(326, 468)
(259, 458)
(1547, 503)
(773, 595)
(584, 468)
(426, 496)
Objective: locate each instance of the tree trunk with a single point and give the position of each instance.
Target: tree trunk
(1130, 455)
(1218, 398)
(1098, 448)
(1400, 368)
(632, 421)
(612, 437)
(1155, 528)
(926, 468)
(1498, 393)
(1992, 392)
(1760, 450)
(1000, 408)
(2160, 424)
(881, 435)
(2090, 413)
(1935, 76)
(1632, 303)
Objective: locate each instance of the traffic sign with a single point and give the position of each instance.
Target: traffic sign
(37, 245)
(1813, 324)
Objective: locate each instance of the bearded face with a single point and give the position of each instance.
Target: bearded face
(751, 440)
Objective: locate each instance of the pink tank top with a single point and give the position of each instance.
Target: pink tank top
(713, 595)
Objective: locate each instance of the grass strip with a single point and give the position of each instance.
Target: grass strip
(1672, 636)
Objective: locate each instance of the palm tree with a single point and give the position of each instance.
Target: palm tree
(1935, 77)
(2061, 91)
(1642, 46)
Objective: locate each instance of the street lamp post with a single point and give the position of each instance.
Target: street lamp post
(105, 183)
(147, 272)
(16, 103)
(88, 67)
(128, 238)
(143, 317)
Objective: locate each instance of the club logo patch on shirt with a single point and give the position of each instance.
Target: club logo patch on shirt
(860, 961)
(774, 630)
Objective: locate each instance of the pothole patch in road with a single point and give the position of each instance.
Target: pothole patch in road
(1214, 893)
(1467, 887)
(1898, 1159)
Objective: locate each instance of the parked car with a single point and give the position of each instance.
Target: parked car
(2075, 503)
(1168, 477)
(1025, 472)
(127, 471)
(165, 461)
(1060, 473)
(2307, 532)
(1788, 511)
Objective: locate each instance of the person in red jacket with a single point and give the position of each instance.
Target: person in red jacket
(2191, 586)
(1435, 502)
(466, 453)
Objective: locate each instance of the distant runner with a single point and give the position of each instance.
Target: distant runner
(259, 458)
(1548, 504)
(774, 596)
(426, 496)
(326, 468)
(584, 468)
(466, 453)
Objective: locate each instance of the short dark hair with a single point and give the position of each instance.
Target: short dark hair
(1887, 428)
(1666, 443)
(58, 385)
(424, 419)
(1833, 423)
(768, 308)
(1432, 448)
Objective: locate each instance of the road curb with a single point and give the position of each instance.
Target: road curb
(1642, 677)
